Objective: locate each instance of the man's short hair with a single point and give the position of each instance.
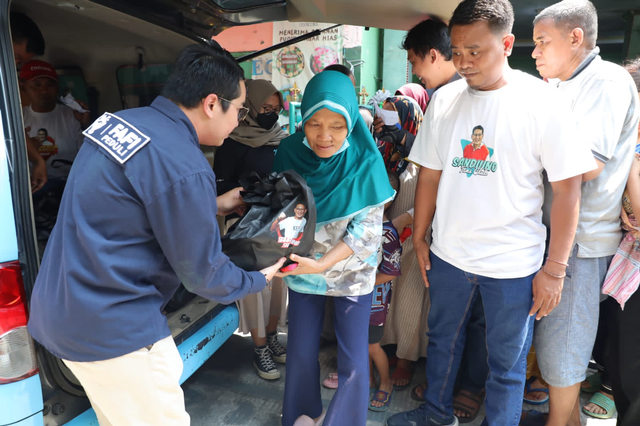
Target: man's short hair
(477, 128)
(340, 68)
(570, 14)
(428, 34)
(23, 28)
(633, 66)
(43, 130)
(201, 70)
(498, 14)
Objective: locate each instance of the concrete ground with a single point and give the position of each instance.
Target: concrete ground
(227, 391)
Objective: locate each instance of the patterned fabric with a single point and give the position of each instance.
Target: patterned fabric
(623, 276)
(410, 115)
(355, 275)
(390, 252)
(406, 324)
(417, 92)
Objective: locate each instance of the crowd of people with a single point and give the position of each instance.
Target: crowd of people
(496, 213)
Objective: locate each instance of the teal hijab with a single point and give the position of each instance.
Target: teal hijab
(354, 178)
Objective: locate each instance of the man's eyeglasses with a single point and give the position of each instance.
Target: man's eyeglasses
(242, 111)
(268, 109)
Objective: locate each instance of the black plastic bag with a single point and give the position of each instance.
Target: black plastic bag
(280, 220)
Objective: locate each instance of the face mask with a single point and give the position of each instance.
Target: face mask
(266, 121)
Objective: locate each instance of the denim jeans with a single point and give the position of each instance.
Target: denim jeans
(474, 369)
(507, 303)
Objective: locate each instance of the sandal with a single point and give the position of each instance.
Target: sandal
(402, 373)
(472, 411)
(595, 383)
(381, 396)
(420, 388)
(534, 418)
(603, 402)
(331, 382)
(527, 389)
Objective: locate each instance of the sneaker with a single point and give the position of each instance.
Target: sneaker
(417, 417)
(278, 352)
(264, 364)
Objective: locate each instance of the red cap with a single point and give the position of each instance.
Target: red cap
(35, 69)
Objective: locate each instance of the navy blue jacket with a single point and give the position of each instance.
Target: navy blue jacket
(138, 216)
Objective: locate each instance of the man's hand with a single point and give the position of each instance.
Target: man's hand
(378, 124)
(83, 117)
(305, 266)
(231, 202)
(422, 253)
(547, 292)
(270, 271)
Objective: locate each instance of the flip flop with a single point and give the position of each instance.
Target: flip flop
(477, 399)
(595, 382)
(414, 392)
(603, 402)
(381, 396)
(402, 373)
(331, 382)
(534, 418)
(527, 389)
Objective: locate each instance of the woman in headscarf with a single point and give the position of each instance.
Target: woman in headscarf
(251, 148)
(338, 158)
(395, 142)
(416, 92)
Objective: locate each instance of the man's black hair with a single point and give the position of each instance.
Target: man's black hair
(340, 68)
(498, 14)
(43, 130)
(201, 70)
(428, 34)
(477, 128)
(23, 28)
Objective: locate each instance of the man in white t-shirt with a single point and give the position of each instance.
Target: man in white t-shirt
(55, 129)
(604, 100)
(290, 229)
(499, 253)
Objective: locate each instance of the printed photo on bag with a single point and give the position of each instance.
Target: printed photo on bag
(290, 228)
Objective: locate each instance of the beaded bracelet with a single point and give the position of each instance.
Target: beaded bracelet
(553, 275)
(557, 261)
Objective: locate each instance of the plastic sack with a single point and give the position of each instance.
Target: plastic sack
(280, 220)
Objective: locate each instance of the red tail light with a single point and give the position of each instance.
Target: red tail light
(17, 352)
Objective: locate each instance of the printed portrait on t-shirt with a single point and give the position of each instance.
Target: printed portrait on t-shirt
(476, 156)
(46, 144)
(290, 228)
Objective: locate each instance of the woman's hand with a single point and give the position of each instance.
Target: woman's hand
(231, 202)
(305, 266)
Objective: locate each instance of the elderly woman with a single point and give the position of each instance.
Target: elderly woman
(251, 148)
(338, 158)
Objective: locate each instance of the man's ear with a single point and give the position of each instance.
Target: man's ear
(577, 37)
(433, 55)
(508, 42)
(209, 104)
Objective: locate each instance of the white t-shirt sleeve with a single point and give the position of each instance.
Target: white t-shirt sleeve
(608, 107)
(564, 153)
(425, 151)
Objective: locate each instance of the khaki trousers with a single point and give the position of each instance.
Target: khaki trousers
(139, 388)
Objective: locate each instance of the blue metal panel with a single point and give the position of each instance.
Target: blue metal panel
(20, 400)
(8, 239)
(194, 352)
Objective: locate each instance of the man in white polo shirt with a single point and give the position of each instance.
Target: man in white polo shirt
(604, 100)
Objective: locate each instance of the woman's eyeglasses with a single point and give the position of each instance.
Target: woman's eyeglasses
(242, 111)
(268, 109)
